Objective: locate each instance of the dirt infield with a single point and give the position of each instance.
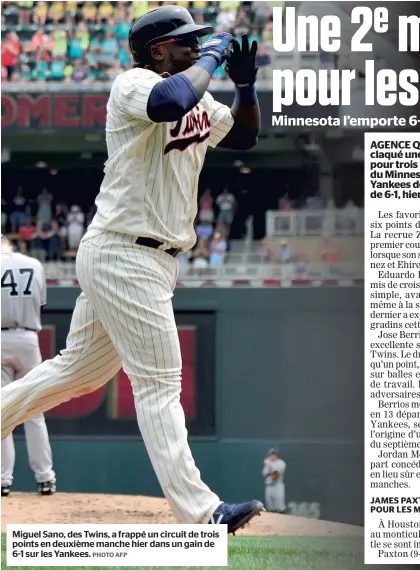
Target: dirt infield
(125, 509)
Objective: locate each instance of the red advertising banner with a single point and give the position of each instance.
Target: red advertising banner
(53, 111)
(117, 396)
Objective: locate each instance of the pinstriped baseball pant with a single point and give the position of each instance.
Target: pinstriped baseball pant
(24, 346)
(124, 316)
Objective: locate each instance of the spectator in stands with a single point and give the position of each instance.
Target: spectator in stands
(285, 254)
(10, 12)
(70, 11)
(83, 34)
(18, 217)
(206, 212)
(25, 13)
(349, 217)
(265, 251)
(56, 12)
(285, 204)
(254, 36)
(75, 226)
(60, 46)
(112, 72)
(225, 20)
(218, 250)
(267, 36)
(301, 266)
(227, 204)
(3, 216)
(16, 77)
(102, 63)
(200, 255)
(44, 213)
(247, 8)
(243, 23)
(137, 9)
(10, 51)
(263, 62)
(105, 11)
(204, 230)
(125, 58)
(122, 27)
(78, 44)
(61, 212)
(40, 40)
(89, 12)
(199, 9)
(109, 48)
(262, 13)
(315, 202)
(41, 70)
(40, 13)
(47, 243)
(57, 68)
(28, 231)
(330, 253)
(80, 72)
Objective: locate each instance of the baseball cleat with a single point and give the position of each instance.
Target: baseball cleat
(236, 516)
(46, 488)
(5, 491)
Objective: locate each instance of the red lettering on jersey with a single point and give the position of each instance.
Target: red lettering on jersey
(195, 127)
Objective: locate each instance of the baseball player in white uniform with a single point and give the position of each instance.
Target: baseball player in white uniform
(273, 473)
(23, 292)
(160, 122)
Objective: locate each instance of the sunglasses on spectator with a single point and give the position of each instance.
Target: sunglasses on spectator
(186, 41)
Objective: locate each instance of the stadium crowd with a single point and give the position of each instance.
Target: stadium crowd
(51, 230)
(85, 42)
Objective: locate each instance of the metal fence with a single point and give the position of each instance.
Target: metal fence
(325, 223)
(65, 273)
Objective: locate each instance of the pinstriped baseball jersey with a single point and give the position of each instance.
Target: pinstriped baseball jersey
(151, 175)
(23, 291)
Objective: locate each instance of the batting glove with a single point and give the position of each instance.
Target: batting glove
(240, 66)
(217, 46)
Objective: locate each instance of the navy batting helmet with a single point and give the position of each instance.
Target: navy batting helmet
(160, 25)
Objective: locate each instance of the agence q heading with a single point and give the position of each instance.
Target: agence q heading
(306, 87)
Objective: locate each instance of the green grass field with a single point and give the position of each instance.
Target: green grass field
(281, 553)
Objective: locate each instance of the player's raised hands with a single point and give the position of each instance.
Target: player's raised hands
(241, 66)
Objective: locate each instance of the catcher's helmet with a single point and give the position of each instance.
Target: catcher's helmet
(159, 25)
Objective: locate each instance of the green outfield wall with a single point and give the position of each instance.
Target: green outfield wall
(263, 367)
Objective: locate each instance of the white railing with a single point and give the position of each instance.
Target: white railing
(245, 258)
(285, 272)
(65, 273)
(315, 223)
